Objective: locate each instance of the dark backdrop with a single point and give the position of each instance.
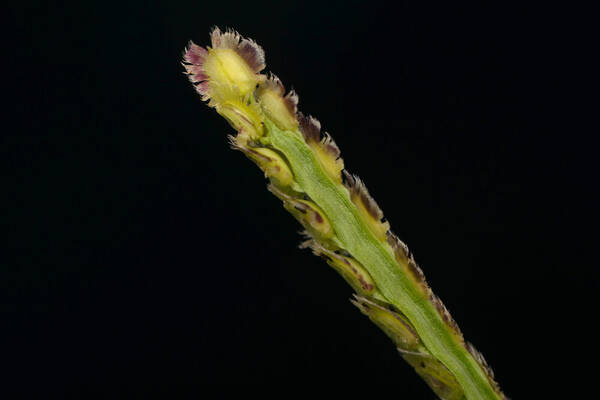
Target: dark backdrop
(144, 251)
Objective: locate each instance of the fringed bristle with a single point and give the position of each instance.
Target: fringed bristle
(405, 258)
(324, 147)
(400, 248)
(445, 314)
(194, 54)
(308, 241)
(358, 190)
(227, 39)
(274, 83)
(291, 102)
(479, 358)
(310, 128)
(366, 205)
(253, 54)
(194, 57)
(329, 146)
(248, 49)
(233, 143)
(416, 271)
(195, 73)
(484, 365)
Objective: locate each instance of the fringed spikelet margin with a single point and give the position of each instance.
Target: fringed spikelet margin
(367, 206)
(278, 106)
(325, 149)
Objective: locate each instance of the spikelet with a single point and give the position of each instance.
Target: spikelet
(323, 146)
(248, 49)
(351, 270)
(242, 116)
(227, 70)
(271, 163)
(436, 375)
(394, 324)
(407, 262)
(307, 212)
(282, 109)
(366, 205)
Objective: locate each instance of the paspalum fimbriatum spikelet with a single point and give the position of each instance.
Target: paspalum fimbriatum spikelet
(342, 223)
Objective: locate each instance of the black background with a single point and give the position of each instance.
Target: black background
(144, 251)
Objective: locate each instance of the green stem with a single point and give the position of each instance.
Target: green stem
(379, 261)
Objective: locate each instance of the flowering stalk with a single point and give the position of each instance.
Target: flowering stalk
(343, 224)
